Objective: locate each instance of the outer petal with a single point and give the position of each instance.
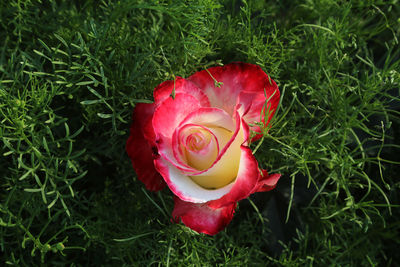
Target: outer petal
(184, 187)
(167, 118)
(246, 180)
(210, 117)
(242, 83)
(258, 109)
(165, 89)
(139, 148)
(201, 217)
(267, 182)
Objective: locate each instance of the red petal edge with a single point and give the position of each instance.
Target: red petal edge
(201, 217)
(163, 91)
(246, 181)
(267, 182)
(241, 83)
(167, 117)
(139, 148)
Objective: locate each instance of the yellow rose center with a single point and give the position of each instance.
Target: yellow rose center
(201, 148)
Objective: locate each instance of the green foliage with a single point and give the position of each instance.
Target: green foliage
(72, 71)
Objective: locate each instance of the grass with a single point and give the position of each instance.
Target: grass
(72, 71)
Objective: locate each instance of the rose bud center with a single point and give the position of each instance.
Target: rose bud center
(200, 148)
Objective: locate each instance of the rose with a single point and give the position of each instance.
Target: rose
(195, 138)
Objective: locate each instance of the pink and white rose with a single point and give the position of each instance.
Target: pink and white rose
(195, 139)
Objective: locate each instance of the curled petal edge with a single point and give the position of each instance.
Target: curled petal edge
(267, 182)
(201, 217)
(140, 149)
(246, 180)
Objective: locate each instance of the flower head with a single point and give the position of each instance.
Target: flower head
(197, 141)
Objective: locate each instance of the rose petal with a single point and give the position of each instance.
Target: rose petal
(166, 120)
(197, 145)
(237, 128)
(210, 117)
(184, 187)
(258, 110)
(139, 148)
(178, 150)
(246, 180)
(201, 217)
(215, 120)
(169, 114)
(225, 168)
(242, 83)
(165, 89)
(267, 182)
